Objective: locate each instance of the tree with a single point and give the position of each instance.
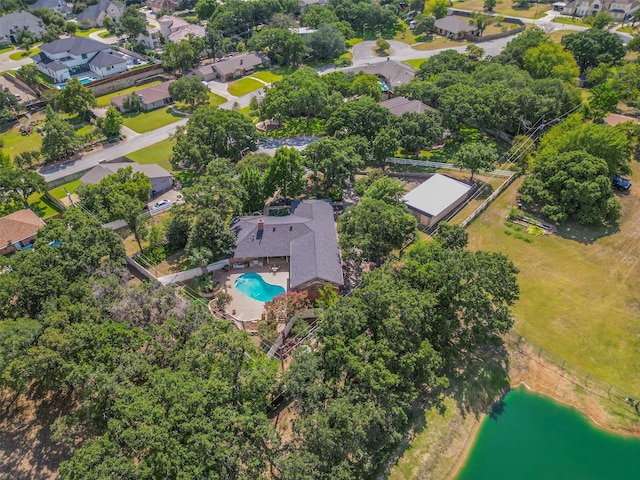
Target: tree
(211, 232)
(489, 5)
(252, 181)
(59, 138)
(593, 47)
(603, 100)
(216, 42)
(108, 199)
(129, 209)
(424, 24)
(190, 91)
(481, 21)
(112, 121)
(550, 60)
(133, 22)
(437, 8)
(205, 9)
(474, 52)
(212, 133)
(201, 257)
(382, 45)
(282, 46)
(361, 117)
(452, 237)
(572, 184)
(285, 173)
(516, 48)
(8, 107)
(283, 307)
(385, 144)
(179, 56)
(326, 43)
(30, 75)
(75, 98)
(475, 157)
(446, 61)
(600, 20)
(16, 185)
(419, 131)
(26, 39)
(367, 84)
(336, 160)
(133, 103)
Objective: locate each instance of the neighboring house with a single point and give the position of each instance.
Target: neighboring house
(161, 180)
(401, 105)
(18, 231)
(454, 27)
(306, 238)
(59, 6)
(68, 57)
(391, 74)
(175, 29)
(150, 40)
(303, 30)
(157, 5)
(233, 67)
(436, 198)
(308, 3)
(94, 15)
(619, 9)
(12, 23)
(152, 97)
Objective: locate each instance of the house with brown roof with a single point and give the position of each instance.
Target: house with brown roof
(152, 97)
(232, 67)
(175, 29)
(161, 180)
(18, 231)
(391, 74)
(401, 105)
(306, 238)
(158, 5)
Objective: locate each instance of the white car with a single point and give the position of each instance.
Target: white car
(161, 204)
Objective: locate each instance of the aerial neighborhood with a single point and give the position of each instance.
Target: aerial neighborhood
(307, 239)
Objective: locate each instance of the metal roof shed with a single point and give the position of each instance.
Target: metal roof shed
(436, 198)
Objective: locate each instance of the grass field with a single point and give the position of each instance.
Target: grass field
(158, 153)
(579, 289)
(105, 34)
(558, 34)
(506, 7)
(439, 42)
(85, 33)
(244, 86)
(354, 41)
(104, 100)
(42, 206)
(417, 62)
(71, 187)
(20, 54)
(147, 121)
(14, 142)
(571, 21)
(6, 49)
(267, 76)
(215, 99)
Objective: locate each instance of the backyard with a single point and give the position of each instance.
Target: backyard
(42, 206)
(579, 288)
(158, 153)
(244, 86)
(61, 191)
(104, 100)
(13, 142)
(146, 121)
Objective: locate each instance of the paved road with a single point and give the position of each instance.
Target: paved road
(299, 143)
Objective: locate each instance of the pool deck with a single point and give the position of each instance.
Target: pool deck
(247, 308)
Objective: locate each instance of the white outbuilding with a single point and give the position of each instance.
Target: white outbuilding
(436, 198)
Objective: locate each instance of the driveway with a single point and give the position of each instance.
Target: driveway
(108, 40)
(7, 64)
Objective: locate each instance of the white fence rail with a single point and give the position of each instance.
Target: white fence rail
(194, 272)
(425, 163)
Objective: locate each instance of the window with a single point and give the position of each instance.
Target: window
(84, 56)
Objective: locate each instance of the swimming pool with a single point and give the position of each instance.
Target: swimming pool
(253, 286)
(83, 81)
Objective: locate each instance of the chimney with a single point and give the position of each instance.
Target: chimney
(260, 224)
(241, 61)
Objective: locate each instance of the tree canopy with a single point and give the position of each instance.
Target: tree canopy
(593, 47)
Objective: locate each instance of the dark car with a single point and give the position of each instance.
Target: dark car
(620, 183)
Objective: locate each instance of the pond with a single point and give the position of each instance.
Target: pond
(529, 436)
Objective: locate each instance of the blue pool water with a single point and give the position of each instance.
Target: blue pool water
(83, 81)
(253, 286)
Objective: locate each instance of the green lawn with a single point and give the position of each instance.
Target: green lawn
(579, 289)
(417, 62)
(158, 153)
(42, 206)
(506, 8)
(85, 33)
(147, 121)
(267, 76)
(7, 49)
(215, 99)
(244, 86)
(557, 35)
(355, 41)
(570, 21)
(20, 54)
(14, 142)
(71, 187)
(438, 42)
(104, 100)
(86, 129)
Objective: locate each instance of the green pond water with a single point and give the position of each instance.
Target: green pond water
(529, 436)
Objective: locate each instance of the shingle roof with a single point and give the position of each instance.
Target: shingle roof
(50, 5)
(18, 226)
(103, 170)
(245, 61)
(49, 63)
(103, 59)
(395, 73)
(16, 21)
(435, 195)
(308, 236)
(92, 12)
(73, 46)
(149, 95)
(453, 24)
(400, 105)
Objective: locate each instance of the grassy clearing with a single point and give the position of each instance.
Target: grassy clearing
(13, 142)
(20, 54)
(506, 7)
(439, 42)
(571, 21)
(61, 191)
(579, 288)
(158, 153)
(85, 33)
(355, 41)
(267, 76)
(557, 35)
(417, 62)
(244, 86)
(147, 121)
(104, 100)
(6, 49)
(42, 206)
(448, 153)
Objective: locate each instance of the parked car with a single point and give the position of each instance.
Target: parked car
(161, 204)
(620, 183)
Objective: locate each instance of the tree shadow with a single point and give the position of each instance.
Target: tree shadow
(586, 235)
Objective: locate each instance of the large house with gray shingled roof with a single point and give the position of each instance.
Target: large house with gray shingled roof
(12, 23)
(94, 15)
(306, 238)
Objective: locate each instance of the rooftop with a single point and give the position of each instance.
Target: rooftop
(18, 226)
(103, 59)
(395, 73)
(401, 105)
(50, 5)
(435, 195)
(103, 170)
(244, 61)
(73, 46)
(308, 236)
(454, 24)
(148, 95)
(16, 21)
(93, 11)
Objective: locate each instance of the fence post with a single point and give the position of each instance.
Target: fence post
(608, 395)
(586, 379)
